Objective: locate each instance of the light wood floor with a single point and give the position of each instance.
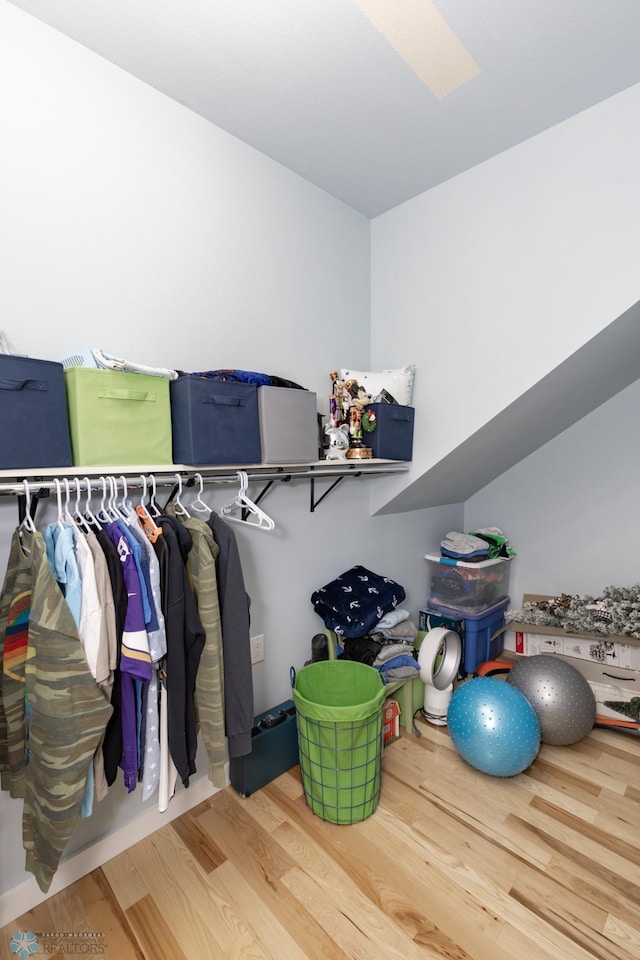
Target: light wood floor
(453, 864)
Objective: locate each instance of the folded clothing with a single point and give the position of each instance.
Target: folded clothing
(392, 618)
(399, 668)
(362, 649)
(406, 630)
(391, 650)
(248, 376)
(464, 546)
(107, 362)
(353, 603)
(496, 541)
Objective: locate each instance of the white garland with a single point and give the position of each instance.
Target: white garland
(616, 611)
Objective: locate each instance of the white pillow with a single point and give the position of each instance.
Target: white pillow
(398, 382)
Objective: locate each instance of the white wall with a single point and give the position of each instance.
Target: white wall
(489, 281)
(129, 223)
(571, 509)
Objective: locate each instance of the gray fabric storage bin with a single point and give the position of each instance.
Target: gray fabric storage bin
(288, 425)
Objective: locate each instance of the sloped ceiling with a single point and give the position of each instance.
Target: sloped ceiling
(374, 101)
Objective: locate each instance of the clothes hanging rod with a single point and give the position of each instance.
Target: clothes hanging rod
(12, 481)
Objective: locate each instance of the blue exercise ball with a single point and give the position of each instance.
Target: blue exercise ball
(493, 726)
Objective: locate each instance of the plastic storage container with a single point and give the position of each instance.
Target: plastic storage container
(339, 713)
(33, 407)
(482, 639)
(466, 589)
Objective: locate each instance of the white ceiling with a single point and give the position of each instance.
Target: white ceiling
(317, 86)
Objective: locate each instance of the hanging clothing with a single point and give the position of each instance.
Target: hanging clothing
(185, 641)
(168, 776)
(107, 657)
(64, 566)
(149, 771)
(15, 610)
(135, 660)
(65, 713)
(112, 744)
(234, 615)
(209, 690)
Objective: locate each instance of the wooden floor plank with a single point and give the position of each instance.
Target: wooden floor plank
(452, 865)
(124, 881)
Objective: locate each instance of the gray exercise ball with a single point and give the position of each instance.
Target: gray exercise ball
(561, 697)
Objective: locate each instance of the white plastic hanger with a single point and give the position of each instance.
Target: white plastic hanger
(181, 510)
(125, 506)
(112, 510)
(154, 510)
(27, 523)
(103, 513)
(58, 486)
(67, 517)
(142, 510)
(78, 517)
(199, 504)
(88, 512)
(255, 517)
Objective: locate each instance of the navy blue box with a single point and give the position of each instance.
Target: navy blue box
(214, 421)
(429, 619)
(33, 411)
(392, 438)
(274, 750)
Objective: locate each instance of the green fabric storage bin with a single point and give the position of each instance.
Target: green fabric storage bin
(118, 418)
(339, 714)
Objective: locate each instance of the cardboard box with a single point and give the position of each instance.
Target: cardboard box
(528, 639)
(607, 682)
(603, 651)
(429, 619)
(390, 721)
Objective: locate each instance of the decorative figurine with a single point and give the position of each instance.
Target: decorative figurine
(338, 441)
(347, 410)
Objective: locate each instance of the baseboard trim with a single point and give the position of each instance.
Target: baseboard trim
(28, 895)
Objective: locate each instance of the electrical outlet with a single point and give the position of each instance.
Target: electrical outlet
(257, 648)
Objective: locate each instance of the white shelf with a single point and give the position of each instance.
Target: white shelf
(12, 481)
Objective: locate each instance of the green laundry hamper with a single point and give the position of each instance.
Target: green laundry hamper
(339, 715)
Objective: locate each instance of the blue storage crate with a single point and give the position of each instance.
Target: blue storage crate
(214, 421)
(33, 409)
(480, 643)
(392, 438)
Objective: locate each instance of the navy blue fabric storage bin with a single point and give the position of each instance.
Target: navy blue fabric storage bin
(214, 421)
(392, 438)
(33, 411)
